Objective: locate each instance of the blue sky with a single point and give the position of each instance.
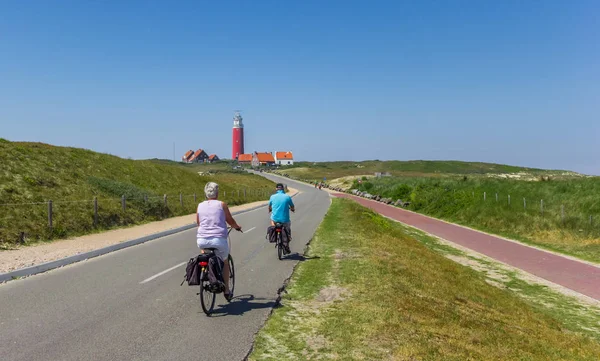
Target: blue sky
(514, 82)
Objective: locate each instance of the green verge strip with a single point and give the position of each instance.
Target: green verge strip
(577, 314)
(370, 291)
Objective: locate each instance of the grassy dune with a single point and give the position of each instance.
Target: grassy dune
(370, 291)
(331, 170)
(33, 173)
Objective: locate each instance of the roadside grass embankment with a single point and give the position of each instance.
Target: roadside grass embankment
(525, 218)
(31, 174)
(368, 290)
(576, 312)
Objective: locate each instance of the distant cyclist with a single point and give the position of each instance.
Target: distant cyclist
(280, 205)
(212, 218)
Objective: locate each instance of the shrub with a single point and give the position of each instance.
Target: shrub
(401, 191)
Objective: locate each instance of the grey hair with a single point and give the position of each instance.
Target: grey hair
(211, 190)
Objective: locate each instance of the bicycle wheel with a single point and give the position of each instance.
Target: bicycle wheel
(207, 298)
(279, 247)
(231, 275)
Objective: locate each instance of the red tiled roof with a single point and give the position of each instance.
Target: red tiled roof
(245, 158)
(284, 155)
(212, 156)
(188, 154)
(265, 157)
(196, 155)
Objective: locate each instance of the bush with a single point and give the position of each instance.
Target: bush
(366, 186)
(401, 191)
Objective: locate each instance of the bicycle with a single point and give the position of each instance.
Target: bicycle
(279, 241)
(208, 292)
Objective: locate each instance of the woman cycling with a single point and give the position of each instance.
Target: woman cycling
(212, 218)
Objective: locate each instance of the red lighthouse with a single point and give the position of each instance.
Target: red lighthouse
(238, 136)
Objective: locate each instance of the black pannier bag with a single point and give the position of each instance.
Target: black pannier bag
(192, 272)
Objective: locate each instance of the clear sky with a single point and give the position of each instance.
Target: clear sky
(514, 82)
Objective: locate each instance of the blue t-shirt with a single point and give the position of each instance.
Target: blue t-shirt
(280, 207)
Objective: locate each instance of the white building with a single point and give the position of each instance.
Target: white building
(284, 158)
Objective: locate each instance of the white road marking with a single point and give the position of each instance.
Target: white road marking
(176, 266)
(162, 273)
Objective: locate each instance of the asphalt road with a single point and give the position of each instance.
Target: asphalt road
(128, 305)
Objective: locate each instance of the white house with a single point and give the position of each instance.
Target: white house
(284, 158)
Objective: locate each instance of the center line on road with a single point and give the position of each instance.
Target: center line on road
(249, 229)
(162, 273)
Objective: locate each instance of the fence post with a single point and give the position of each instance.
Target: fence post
(542, 206)
(165, 200)
(224, 194)
(95, 211)
(181, 199)
(145, 198)
(123, 202)
(238, 193)
(496, 197)
(484, 196)
(524, 203)
(50, 214)
(509, 199)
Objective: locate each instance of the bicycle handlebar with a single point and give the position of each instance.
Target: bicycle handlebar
(229, 229)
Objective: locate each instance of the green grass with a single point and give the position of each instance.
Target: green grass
(331, 170)
(462, 201)
(373, 292)
(575, 315)
(33, 173)
(216, 167)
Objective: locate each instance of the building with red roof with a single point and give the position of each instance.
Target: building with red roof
(264, 158)
(284, 158)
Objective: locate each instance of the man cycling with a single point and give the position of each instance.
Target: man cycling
(280, 205)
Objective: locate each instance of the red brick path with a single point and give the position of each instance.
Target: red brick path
(578, 276)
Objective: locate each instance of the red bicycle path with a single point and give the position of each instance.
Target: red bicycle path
(577, 276)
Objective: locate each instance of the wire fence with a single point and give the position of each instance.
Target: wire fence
(59, 218)
(553, 212)
(567, 213)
